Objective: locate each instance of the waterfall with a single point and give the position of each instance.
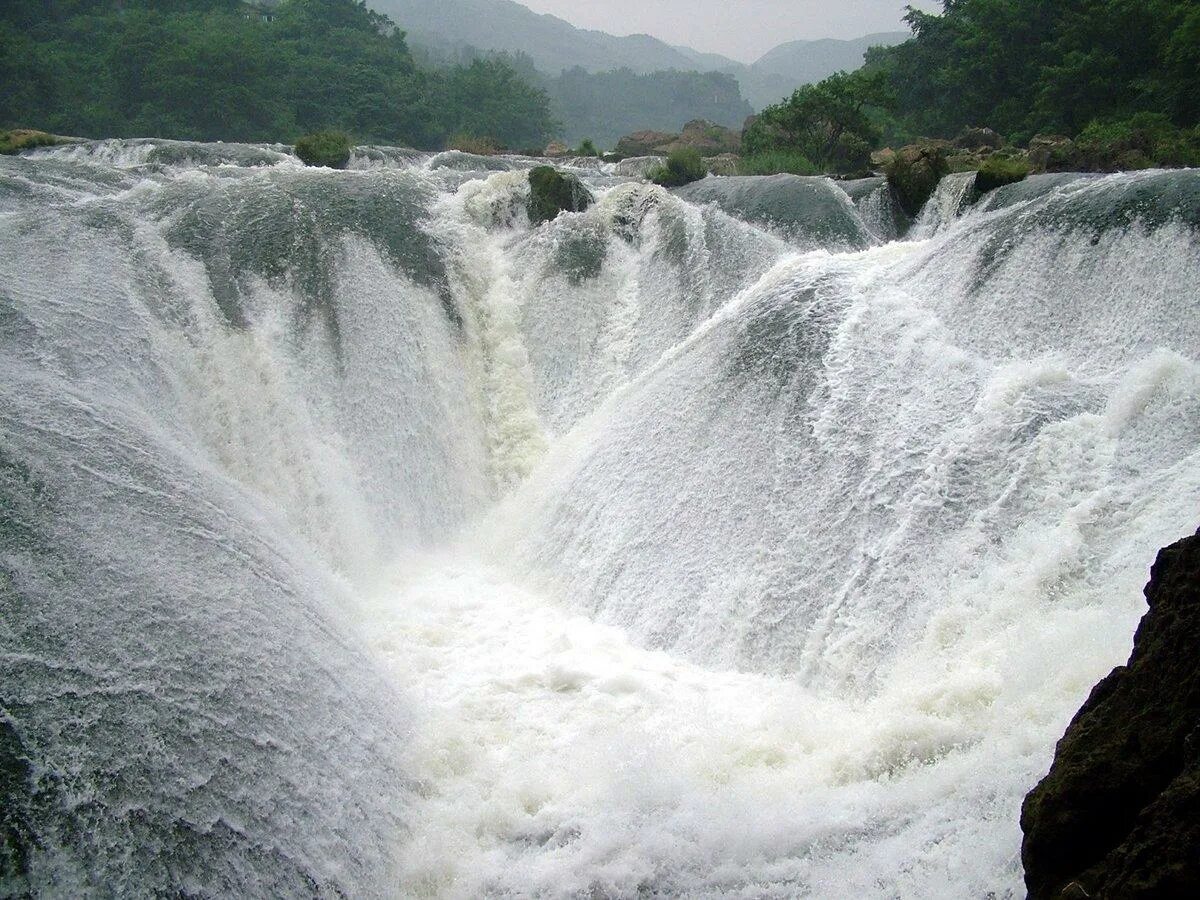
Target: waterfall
(359, 539)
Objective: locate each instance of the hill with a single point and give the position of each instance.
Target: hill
(555, 45)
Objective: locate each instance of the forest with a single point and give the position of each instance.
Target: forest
(1122, 78)
(227, 70)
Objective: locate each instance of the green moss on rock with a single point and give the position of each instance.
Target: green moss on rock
(552, 192)
(998, 171)
(13, 142)
(324, 148)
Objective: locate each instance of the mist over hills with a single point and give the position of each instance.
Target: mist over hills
(554, 45)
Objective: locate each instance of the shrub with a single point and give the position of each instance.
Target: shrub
(1139, 142)
(998, 171)
(776, 162)
(325, 148)
(587, 148)
(683, 166)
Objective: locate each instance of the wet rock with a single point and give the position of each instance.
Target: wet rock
(556, 150)
(1119, 813)
(552, 192)
(915, 170)
(639, 166)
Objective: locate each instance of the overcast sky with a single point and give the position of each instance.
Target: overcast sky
(742, 29)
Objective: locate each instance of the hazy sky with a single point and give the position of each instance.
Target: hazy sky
(742, 29)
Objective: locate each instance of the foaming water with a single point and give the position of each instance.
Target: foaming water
(359, 539)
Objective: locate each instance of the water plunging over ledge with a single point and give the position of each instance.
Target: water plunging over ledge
(359, 539)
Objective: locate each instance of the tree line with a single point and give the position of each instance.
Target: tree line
(1121, 76)
(231, 70)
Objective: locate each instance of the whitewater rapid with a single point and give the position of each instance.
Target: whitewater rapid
(361, 540)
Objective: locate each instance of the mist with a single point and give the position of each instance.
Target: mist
(741, 29)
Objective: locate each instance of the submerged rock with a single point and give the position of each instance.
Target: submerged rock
(915, 171)
(1119, 813)
(552, 192)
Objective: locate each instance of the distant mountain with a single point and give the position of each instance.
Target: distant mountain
(553, 44)
(447, 29)
(782, 70)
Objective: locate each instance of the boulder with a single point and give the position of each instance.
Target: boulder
(979, 139)
(639, 166)
(882, 158)
(915, 171)
(1119, 813)
(724, 164)
(710, 139)
(643, 143)
(330, 149)
(1051, 152)
(552, 192)
(556, 150)
(997, 171)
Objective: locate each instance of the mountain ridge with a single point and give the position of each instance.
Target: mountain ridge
(555, 45)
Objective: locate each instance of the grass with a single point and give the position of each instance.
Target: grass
(13, 142)
(776, 162)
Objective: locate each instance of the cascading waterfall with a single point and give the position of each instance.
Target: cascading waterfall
(359, 539)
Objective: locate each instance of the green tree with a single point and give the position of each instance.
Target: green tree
(827, 123)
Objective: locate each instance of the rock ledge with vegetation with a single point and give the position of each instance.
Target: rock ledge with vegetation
(1118, 816)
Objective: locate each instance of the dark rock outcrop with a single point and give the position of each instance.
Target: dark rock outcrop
(552, 192)
(1051, 152)
(979, 139)
(1118, 816)
(915, 170)
(704, 137)
(643, 143)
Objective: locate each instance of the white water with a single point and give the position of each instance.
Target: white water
(677, 562)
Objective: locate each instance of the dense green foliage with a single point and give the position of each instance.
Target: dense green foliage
(998, 171)
(1122, 75)
(776, 162)
(225, 70)
(1142, 140)
(827, 123)
(325, 148)
(1029, 66)
(682, 167)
